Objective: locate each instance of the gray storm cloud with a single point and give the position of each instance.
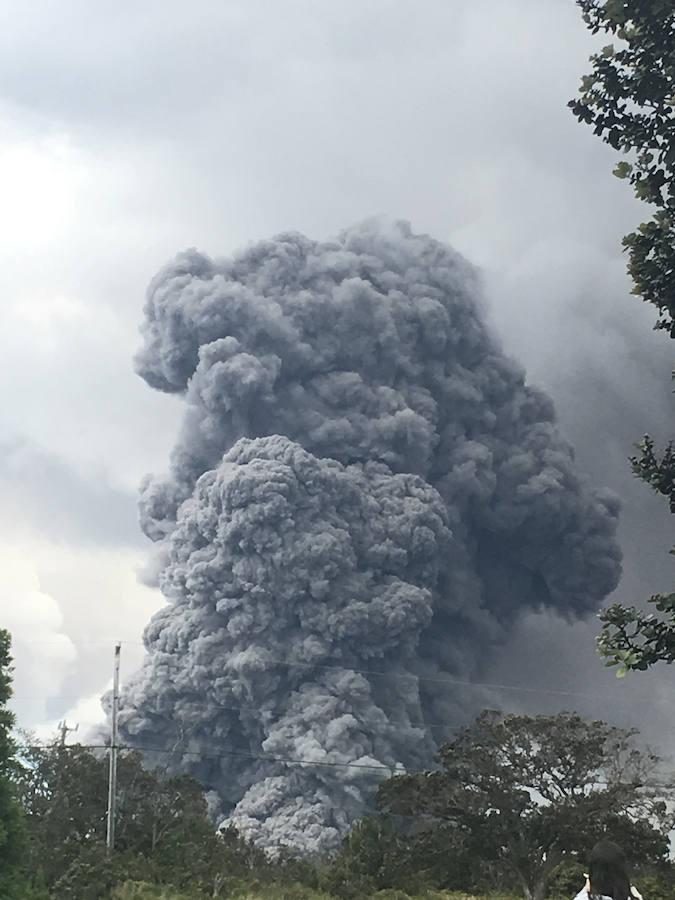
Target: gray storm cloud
(364, 497)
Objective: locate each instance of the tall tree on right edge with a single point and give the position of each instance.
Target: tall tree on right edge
(629, 99)
(11, 821)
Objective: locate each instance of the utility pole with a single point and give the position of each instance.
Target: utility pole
(112, 775)
(64, 728)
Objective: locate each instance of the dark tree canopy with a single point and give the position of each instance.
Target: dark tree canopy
(163, 830)
(472, 826)
(632, 638)
(629, 99)
(530, 791)
(11, 823)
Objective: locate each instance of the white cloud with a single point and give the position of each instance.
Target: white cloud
(39, 181)
(81, 721)
(43, 653)
(63, 650)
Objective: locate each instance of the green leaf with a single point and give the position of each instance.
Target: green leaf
(622, 169)
(615, 12)
(642, 189)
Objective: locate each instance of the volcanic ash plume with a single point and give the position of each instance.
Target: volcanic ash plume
(364, 497)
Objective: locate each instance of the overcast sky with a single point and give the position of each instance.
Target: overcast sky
(130, 131)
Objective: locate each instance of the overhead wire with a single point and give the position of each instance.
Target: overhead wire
(450, 682)
(231, 708)
(226, 754)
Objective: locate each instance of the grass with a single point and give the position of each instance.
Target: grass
(136, 891)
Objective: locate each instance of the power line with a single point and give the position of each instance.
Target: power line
(450, 682)
(419, 725)
(87, 643)
(445, 726)
(245, 708)
(226, 754)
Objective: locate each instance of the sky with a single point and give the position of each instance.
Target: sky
(131, 131)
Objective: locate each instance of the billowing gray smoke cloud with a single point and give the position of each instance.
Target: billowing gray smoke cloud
(364, 497)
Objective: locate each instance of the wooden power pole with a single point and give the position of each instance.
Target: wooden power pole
(112, 773)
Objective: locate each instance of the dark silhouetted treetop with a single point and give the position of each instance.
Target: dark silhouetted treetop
(12, 836)
(529, 791)
(629, 99)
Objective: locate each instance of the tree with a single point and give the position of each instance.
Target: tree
(629, 99)
(163, 830)
(373, 857)
(63, 791)
(528, 792)
(387, 853)
(11, 824)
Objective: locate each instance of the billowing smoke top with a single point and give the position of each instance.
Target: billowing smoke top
(364, 496)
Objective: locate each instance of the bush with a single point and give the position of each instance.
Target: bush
(94, 874)
(658, 885)
(567, 880)
(462, 895)
(254, 890)
(137, 890)
(390, 894)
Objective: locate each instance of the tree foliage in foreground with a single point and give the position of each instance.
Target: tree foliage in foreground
(11, 825)
(631, 637)
(629, 100)
(163, 832)
(528, 792)
(515, 805)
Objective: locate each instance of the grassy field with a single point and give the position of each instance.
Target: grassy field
(288, 892)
